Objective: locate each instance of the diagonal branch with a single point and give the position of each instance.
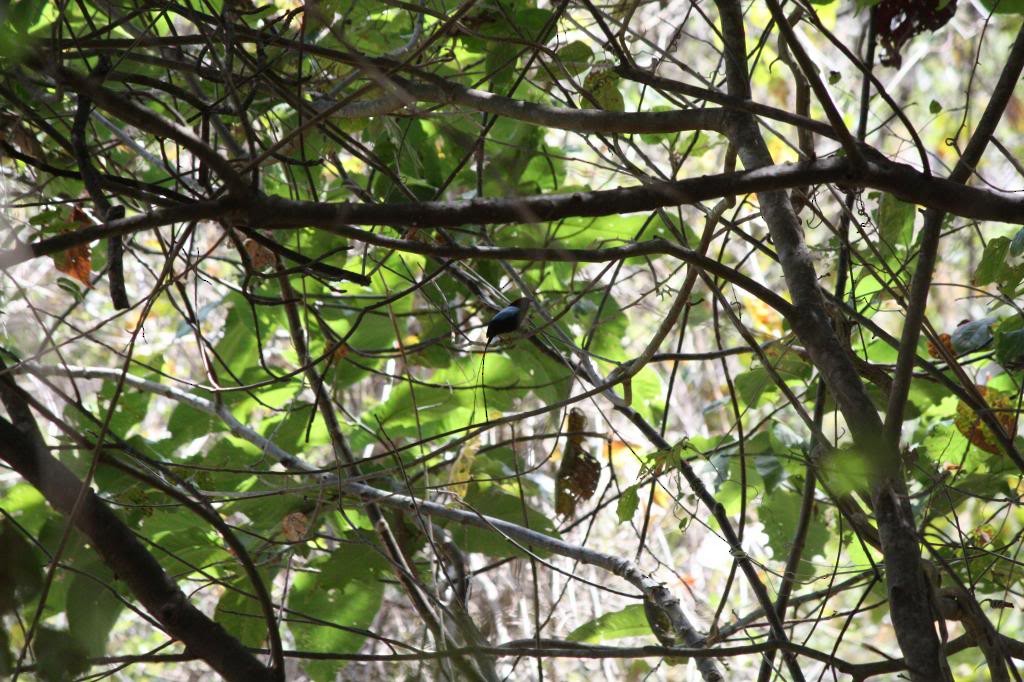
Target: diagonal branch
(623, 568)
(22, 447)
(926, 260)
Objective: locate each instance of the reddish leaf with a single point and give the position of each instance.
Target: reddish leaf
(76, 261)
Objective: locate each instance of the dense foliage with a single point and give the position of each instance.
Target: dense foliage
(759, 419)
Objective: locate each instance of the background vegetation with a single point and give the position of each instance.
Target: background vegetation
(760, 422)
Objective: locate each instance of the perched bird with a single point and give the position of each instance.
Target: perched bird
(504, 321)
(508, 318)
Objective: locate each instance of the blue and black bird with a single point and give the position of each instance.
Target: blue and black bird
(508, 318)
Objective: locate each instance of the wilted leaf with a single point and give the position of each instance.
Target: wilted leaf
(970, 425)
(579, 472)
(294, 526)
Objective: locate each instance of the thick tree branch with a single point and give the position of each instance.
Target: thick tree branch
(278, 213)
(909, 594)
(932, 230)
(22, 447)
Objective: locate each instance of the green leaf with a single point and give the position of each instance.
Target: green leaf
(132, 407)
(187, 423)
(628, 622)
(934, 107)
(1009, 337)
(63, 658)
(501, 63)
(575, 57)
(531, 22)
(21, 571)
(6, 657)
(1017, 245)
(780, 513)
(240, 612)
(602, 83)
(993, 261)
(628, 503)
(343, 592)
(753, 384)
(895, 220)
(491, 501)
(23, 14)
(92, 609)
(1004, 6)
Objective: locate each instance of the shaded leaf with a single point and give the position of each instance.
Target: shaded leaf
(628, 503)
(993, 261)
(628, 622)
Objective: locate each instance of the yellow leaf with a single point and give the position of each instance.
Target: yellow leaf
(462, 469)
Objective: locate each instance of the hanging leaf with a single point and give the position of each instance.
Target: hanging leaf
(575, 57)
(77, 260)
(628, 504)
(579, 471)
(993, 261)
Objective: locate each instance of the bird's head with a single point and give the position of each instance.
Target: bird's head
(522, 304)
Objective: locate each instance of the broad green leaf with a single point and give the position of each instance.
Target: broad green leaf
(627, 505)
(63, 658)
(993, 262)
(531, 23)
(501, 64)
(92, 608)
(780, 513)
(27, 505)
(753, 385)
(21, 571)
(895, 220)
(187, 423)
(1004, 6)
(628, 622)
(1017, 245)
(240, 612)
(493, 502)
(575, 57)
(6, 656)
(132, 407)
(342, 593)
(1009, 337)
(602, 84)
